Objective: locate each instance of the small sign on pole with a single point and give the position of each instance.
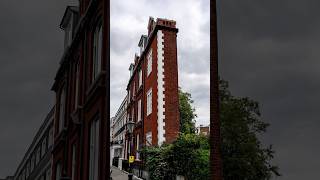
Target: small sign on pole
(131, 159)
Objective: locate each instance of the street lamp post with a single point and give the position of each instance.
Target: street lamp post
(130, 125)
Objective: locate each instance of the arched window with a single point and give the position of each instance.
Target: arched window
(97, 51)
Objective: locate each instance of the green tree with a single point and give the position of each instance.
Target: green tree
(187, 156)
(244, 156)
(187, 113)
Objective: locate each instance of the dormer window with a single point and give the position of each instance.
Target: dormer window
(131, 68)
(142, 43)
(69, 23)
(97, 51)
(68, 34)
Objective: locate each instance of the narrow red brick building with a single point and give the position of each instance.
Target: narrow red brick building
(153, 102)
(80, 123)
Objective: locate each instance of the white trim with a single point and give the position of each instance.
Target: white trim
(139, 110)
(161, 89)
(149, 63)
(149, 102)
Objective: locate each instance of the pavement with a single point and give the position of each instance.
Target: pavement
(118, 174)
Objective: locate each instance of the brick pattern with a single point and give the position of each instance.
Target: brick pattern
(171, 86)
(92, 96)
(161, 89)
(215, 139)
(163, 122)
(150, 121)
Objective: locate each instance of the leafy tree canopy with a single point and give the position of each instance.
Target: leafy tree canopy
(187, 112)
(243, 155)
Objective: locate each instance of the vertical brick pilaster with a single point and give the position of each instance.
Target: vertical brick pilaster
(215, 139)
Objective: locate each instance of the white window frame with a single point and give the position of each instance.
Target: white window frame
(32, 160)
(44, 146)
(137, 147)
(50, 138)
(132, 113)
(48, 174)
(73, 173)
(62, 108)
(133, 89)
(149, 102)
(94, 150)
(149, 139)
(97, 51)
(38, 154)
(127, 149)
(139, 110)
(129, 93)
(76, 98)
(58, 171)
(140, 78)
(149, 63)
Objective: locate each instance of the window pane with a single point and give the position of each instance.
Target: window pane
(73, 161)
(139, 110)
(76, 97)
(149, 139)
(149, 65)
(140, 78)
(58, 172)
(94, 151)
(97, 51)
(62, 108)
(149, 102)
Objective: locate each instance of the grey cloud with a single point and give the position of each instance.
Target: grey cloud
(270, 53)
(31, 45)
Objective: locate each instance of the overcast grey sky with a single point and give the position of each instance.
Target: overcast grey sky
(129, 20)
(270, 52)
(31, 45)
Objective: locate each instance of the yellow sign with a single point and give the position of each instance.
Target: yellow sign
(131, 159)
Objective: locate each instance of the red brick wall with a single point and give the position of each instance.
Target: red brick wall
(151, 82)
(150, 122)
(92, 100)
(171, 86)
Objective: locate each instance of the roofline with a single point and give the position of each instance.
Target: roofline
(50, 114)
(150, 37)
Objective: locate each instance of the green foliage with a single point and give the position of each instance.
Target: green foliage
(187, 112)
(155, 162)
(244, 156)
(188, 156)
